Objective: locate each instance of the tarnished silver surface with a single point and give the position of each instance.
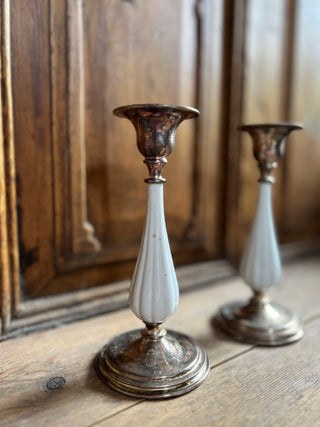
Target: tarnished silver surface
(268, 144)
(144, 366)
(260, 321)
(156, 126)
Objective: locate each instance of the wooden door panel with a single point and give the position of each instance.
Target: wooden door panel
(274, 79)
(32, 135)
(93, 182)
(260, 49)
(301, 216)
(73, 198)
(79, 187)
(134, 64)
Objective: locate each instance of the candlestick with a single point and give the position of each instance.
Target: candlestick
(261, 321)
(154, 363)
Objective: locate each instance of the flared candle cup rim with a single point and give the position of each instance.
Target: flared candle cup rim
(190, 112)
(289, 126)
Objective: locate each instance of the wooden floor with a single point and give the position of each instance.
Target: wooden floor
(247, 385)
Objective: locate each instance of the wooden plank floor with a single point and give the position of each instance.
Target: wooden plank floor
(247, 385)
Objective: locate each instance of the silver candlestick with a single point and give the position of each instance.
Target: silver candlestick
(154, 363)
(261, 321)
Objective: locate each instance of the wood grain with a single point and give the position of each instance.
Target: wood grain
(243, 378)
(32, 129)
(68, 352)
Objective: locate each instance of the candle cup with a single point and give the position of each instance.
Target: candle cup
(260, 321)
(154, 363)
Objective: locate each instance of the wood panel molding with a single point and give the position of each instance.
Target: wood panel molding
(5, 291)
(236, 47)
(82, 232)
(10, 285)
(68, 136)
(43, 313)
(48, 312)
(207, 190)
(205, 214)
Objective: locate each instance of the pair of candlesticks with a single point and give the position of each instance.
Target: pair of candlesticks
(155, 363)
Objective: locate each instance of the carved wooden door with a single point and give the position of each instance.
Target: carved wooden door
(73, 170)
(72, 196)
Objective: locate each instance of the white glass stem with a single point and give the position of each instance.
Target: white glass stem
(154, 290)
(261, 266)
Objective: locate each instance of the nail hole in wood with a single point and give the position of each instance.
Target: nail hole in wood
(56, 383)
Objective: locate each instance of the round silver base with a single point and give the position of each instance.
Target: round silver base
(260, 322)
(157, 366)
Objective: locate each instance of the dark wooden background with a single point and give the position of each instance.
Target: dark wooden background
(72, 195)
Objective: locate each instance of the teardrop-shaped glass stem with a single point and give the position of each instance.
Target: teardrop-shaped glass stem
(261, 266)
(154, 290)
